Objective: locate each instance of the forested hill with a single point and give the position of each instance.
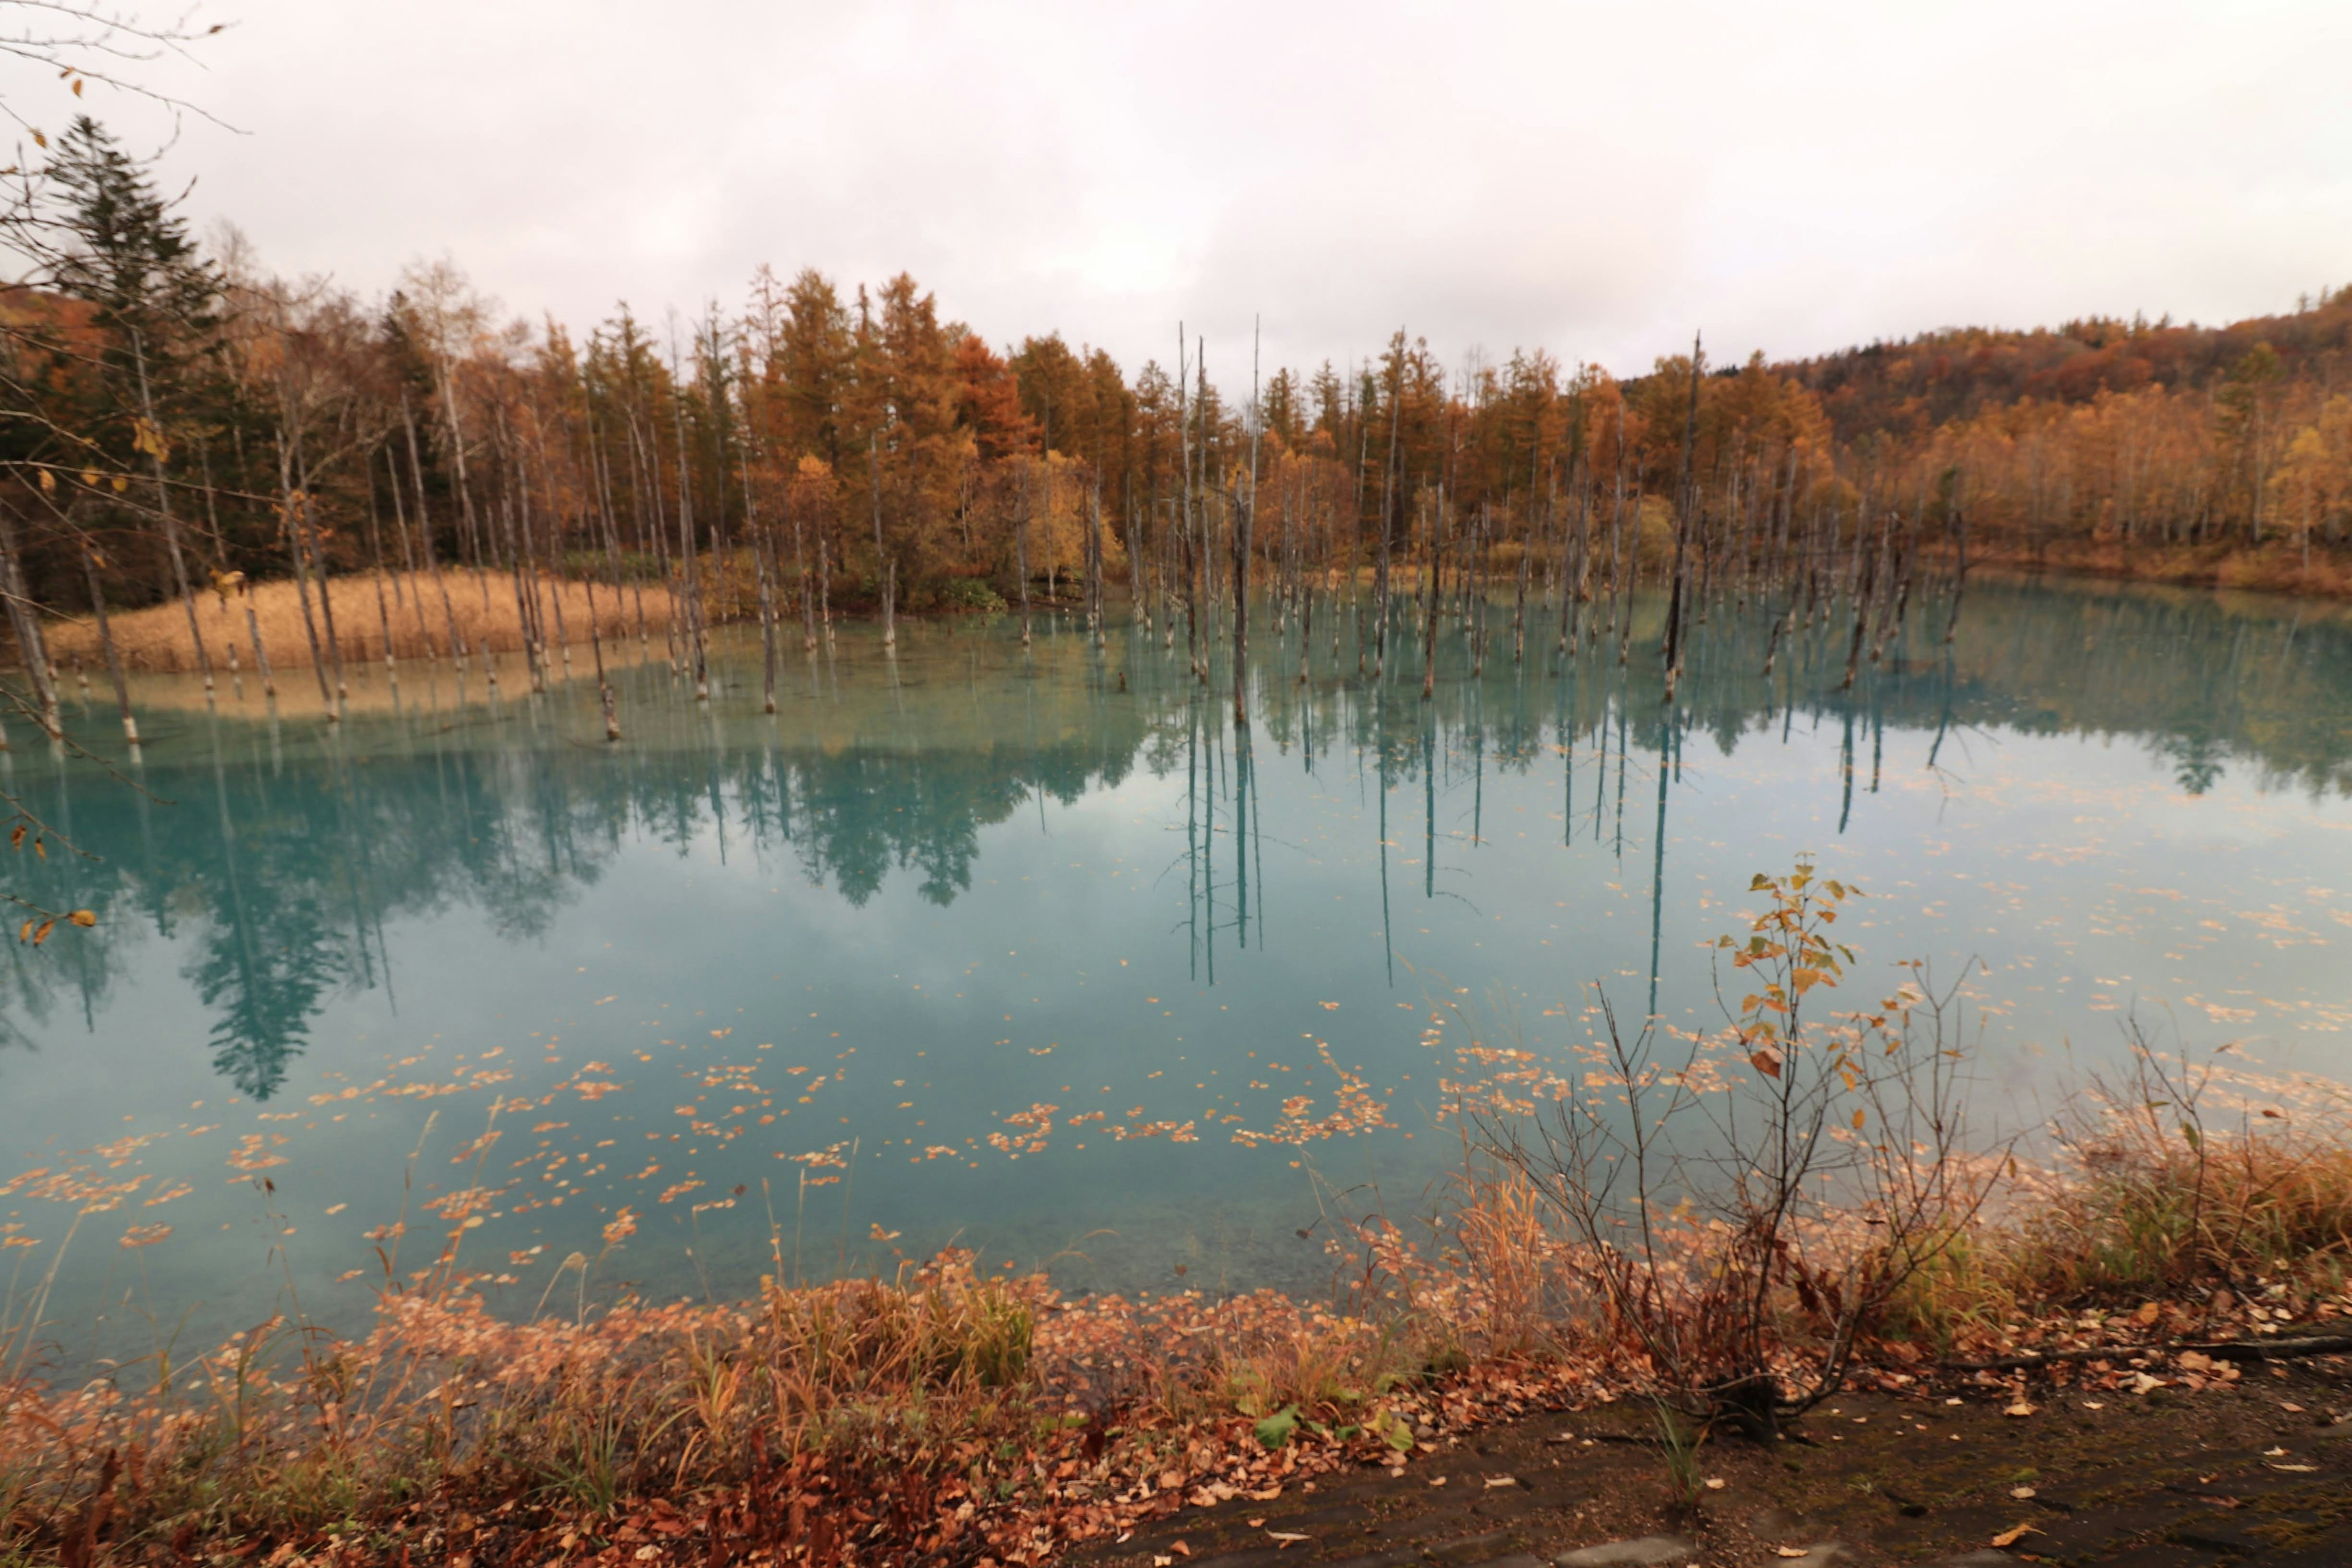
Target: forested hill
(1910, 385)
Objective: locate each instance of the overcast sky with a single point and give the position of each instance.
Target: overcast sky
(1597, 180)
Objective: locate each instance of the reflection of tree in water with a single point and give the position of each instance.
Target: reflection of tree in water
(861, 815)
(31, 979)
(2196, 761)
(267, 973)
(288, 871)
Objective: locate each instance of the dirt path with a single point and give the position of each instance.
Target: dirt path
(2257, 1473)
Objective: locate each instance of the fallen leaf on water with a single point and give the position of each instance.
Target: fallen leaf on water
(2011, 1537)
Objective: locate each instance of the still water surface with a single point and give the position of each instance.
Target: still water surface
(1027, 950)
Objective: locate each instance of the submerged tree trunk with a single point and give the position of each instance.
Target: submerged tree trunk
(25, 620)
(885, 568)
(106, 640)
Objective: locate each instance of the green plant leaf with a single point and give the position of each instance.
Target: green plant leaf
(1394, 1430)
(1274, 1430)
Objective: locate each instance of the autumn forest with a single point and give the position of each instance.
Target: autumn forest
(183, 423)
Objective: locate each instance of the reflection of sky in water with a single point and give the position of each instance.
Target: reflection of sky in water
(995, 951)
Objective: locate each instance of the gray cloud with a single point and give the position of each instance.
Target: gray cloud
(1596, 180)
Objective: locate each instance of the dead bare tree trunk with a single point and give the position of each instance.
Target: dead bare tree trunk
(1244, 528)
(1684, 497)
(106, 640)
(24, 617)
(152, 439)
(886, 569)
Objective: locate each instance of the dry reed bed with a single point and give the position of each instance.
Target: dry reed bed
(482, 606)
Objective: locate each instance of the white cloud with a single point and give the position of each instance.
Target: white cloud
(1593, 179)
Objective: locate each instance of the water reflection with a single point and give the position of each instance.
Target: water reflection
(284, 851)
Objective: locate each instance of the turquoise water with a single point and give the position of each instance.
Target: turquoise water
(1029, 950)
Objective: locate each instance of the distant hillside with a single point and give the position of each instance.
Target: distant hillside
(1911, 385)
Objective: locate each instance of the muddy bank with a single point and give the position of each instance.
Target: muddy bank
(2255, 1472)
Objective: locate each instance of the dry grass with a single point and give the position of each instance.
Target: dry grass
(2201, 1187)
(156, 640)
(2275, 568)
(2184, 1178)
(939, 1416)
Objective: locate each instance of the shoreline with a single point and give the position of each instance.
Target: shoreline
(150, 636)
(2277, 571)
